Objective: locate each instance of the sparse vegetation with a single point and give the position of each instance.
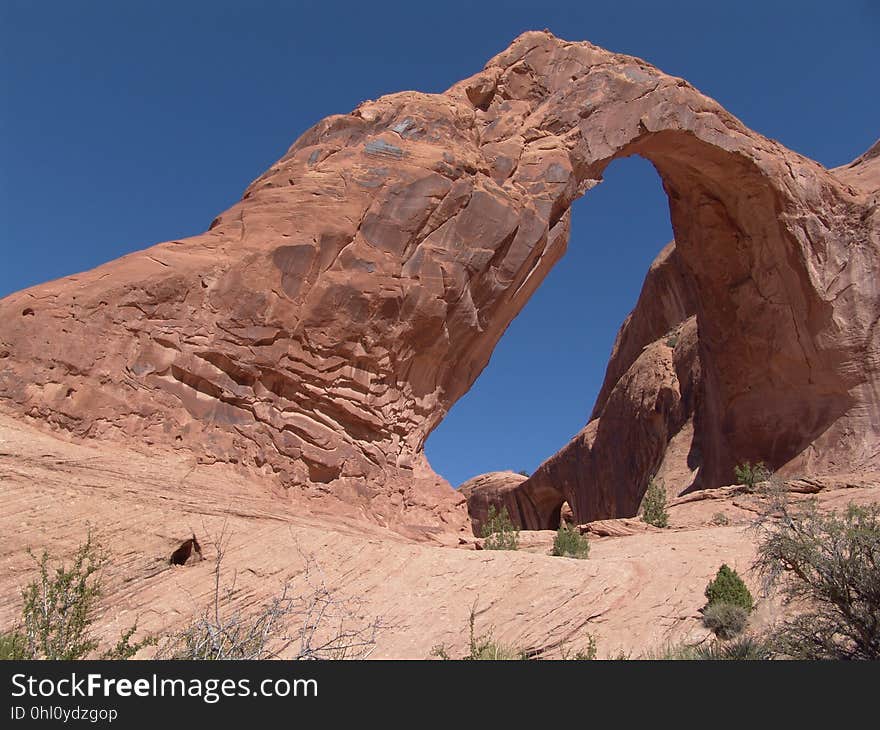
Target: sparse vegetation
(486, 647)
(725, 620)
(751, 474)
(583, 655)
(499, 532)
(743, 648)
(59, 610)
(481, 648)
(727, 587)
(523, 472)
(740, 649)
(12, 645)
(654, 505)
(314, 625)
(828, 566)
(570, 543)
(720, 519)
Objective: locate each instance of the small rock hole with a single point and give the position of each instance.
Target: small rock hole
(189, 551)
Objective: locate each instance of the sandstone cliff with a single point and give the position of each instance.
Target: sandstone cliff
(323, 326)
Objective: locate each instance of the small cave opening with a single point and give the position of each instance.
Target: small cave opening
(189, 551)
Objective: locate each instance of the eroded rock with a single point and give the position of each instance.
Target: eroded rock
(324, 325)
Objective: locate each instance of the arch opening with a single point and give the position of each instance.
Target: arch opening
(751, 299)
(547, 369)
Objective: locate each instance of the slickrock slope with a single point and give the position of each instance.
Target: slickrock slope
(635, 593)
(324, 325)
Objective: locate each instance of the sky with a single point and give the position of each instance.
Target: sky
(123, 124)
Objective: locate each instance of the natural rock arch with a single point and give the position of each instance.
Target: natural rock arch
(324, 324)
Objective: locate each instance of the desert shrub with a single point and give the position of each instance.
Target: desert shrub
(739, 649)
(12, 645)
(671, 652)
(725, 620)
(440, 651)
(59, 609)
(743, 648)
(654, 505)
(488, 649)
(751, 474)
(315, 624)
(829, 565)
(570, 543)
(671, 338)
(728, 587)
(499, 532)
(523, 472)
(483, 647)
(720, 519)
(588, 653)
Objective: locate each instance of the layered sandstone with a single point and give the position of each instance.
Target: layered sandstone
(651, 415)
(324, 325)
(641, 588)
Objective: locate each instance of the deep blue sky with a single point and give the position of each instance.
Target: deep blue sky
(127, 123)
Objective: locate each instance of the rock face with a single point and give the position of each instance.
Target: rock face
(499, 489)
(323, 326)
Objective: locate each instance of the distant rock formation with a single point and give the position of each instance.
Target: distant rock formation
(325, 324)
(498, 489)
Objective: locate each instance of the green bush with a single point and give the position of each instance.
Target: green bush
(725, 620)
(481, 648)
(744, 648)
(484, 649)
(12, 645)
(672, 337)
(654, 505)
(59, 609)
(728, 587)
(670, 652)
(829, 566)
(739, 649)
(588, 653)
(499, 532)
(751, 474)
(570, 543)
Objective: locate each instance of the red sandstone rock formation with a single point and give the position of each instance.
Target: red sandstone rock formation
(325, 324)
(498, 488)
(651, 416)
